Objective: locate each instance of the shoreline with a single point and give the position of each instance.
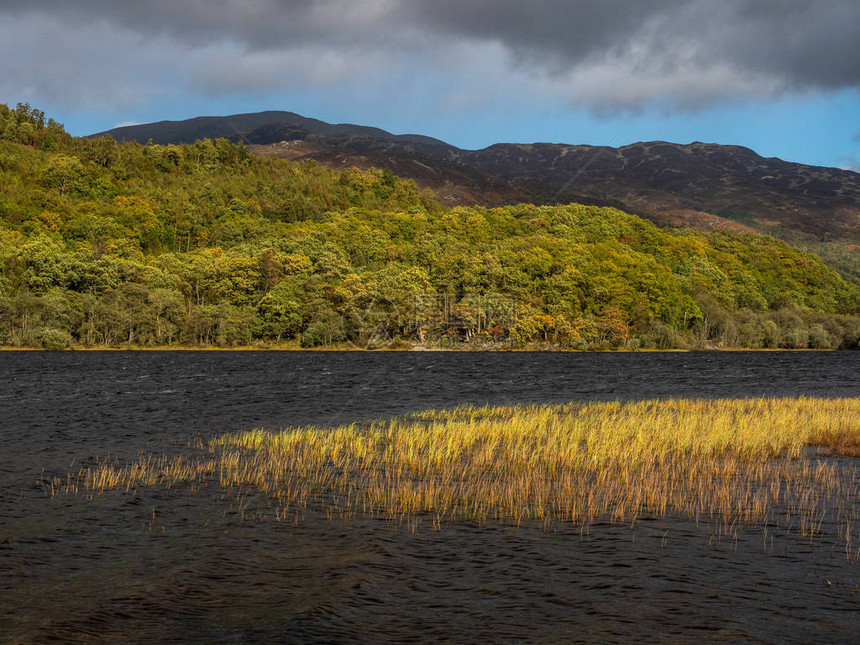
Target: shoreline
(417, 349)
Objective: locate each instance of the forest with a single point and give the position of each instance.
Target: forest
(112, 245)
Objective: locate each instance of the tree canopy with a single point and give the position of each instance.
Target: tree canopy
(106, 243)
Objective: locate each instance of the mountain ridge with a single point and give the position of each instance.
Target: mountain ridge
(166, 134)
(188, 130)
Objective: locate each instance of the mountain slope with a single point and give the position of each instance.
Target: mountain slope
(103, 244)
(242, 125)
(698, 185)
(730, 181)
(290, 136)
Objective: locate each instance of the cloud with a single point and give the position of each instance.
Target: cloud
(604, 54)
(227, 69)
(799, 42)
(92, 67)
(620, 83)
(256, 24)
(849, 163)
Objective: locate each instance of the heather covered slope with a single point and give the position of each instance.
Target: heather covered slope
(104, 243)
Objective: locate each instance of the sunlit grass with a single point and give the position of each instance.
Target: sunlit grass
(732, 463)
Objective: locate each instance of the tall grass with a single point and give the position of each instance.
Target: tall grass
(732, 462)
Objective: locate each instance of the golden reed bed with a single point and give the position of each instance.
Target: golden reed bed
(733, 463)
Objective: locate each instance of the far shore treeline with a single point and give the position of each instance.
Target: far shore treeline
(109, 244)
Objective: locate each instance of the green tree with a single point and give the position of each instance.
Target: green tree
(278, 314)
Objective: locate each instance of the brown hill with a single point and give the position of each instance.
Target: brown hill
(650, 178)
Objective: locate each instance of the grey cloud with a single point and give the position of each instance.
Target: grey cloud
(567, 32)
(694, 51)
(804, 43)
(849, 163)
(257, 24)
(812, 44)
(513, 23)
(74, 72)
(226, 70)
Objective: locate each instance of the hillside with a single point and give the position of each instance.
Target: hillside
(702, 186)
(264, 125)
(108, 244)
(287, 135)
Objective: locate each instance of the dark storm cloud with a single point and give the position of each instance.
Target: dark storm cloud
(629, 51)
(568, 31)
(812, 43)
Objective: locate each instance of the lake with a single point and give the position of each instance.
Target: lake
(151, 567)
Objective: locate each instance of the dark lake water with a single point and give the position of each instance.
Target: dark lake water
(117, 396)
(153, 569)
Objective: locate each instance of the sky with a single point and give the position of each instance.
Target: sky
(779, 76)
